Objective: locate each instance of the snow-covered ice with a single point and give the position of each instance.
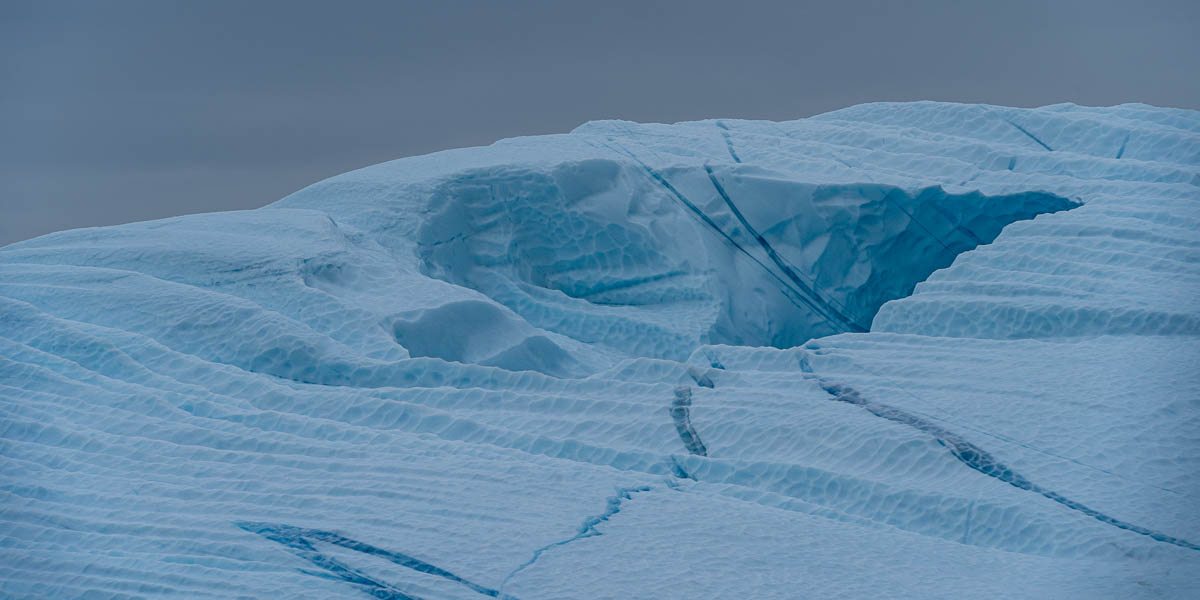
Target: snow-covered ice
(904, 350)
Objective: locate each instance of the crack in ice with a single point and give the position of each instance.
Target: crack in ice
(588, 529)
(299, 541)
(681, 414)
(728, 142)
(793, 295)
(1031, 136)
(981, 460)
(829, 312)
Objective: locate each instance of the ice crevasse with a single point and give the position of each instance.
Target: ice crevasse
(919, 350)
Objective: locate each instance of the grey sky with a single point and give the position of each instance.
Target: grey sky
(120, 111)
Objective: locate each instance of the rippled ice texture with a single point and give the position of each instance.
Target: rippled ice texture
(720, 359)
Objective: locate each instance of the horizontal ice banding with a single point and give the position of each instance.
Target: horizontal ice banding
(458, 355)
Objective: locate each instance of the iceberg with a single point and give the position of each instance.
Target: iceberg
(919, 350)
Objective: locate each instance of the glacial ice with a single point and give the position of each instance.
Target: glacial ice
(915, 350)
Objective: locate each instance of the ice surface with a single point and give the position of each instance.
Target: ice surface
(906, 350)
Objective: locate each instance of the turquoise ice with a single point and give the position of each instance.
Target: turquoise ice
(917, 350)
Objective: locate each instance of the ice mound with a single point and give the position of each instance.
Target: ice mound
(924, 350)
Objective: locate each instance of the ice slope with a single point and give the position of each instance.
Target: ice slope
(720, 359)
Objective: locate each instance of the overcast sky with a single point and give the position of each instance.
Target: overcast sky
(120, 111)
